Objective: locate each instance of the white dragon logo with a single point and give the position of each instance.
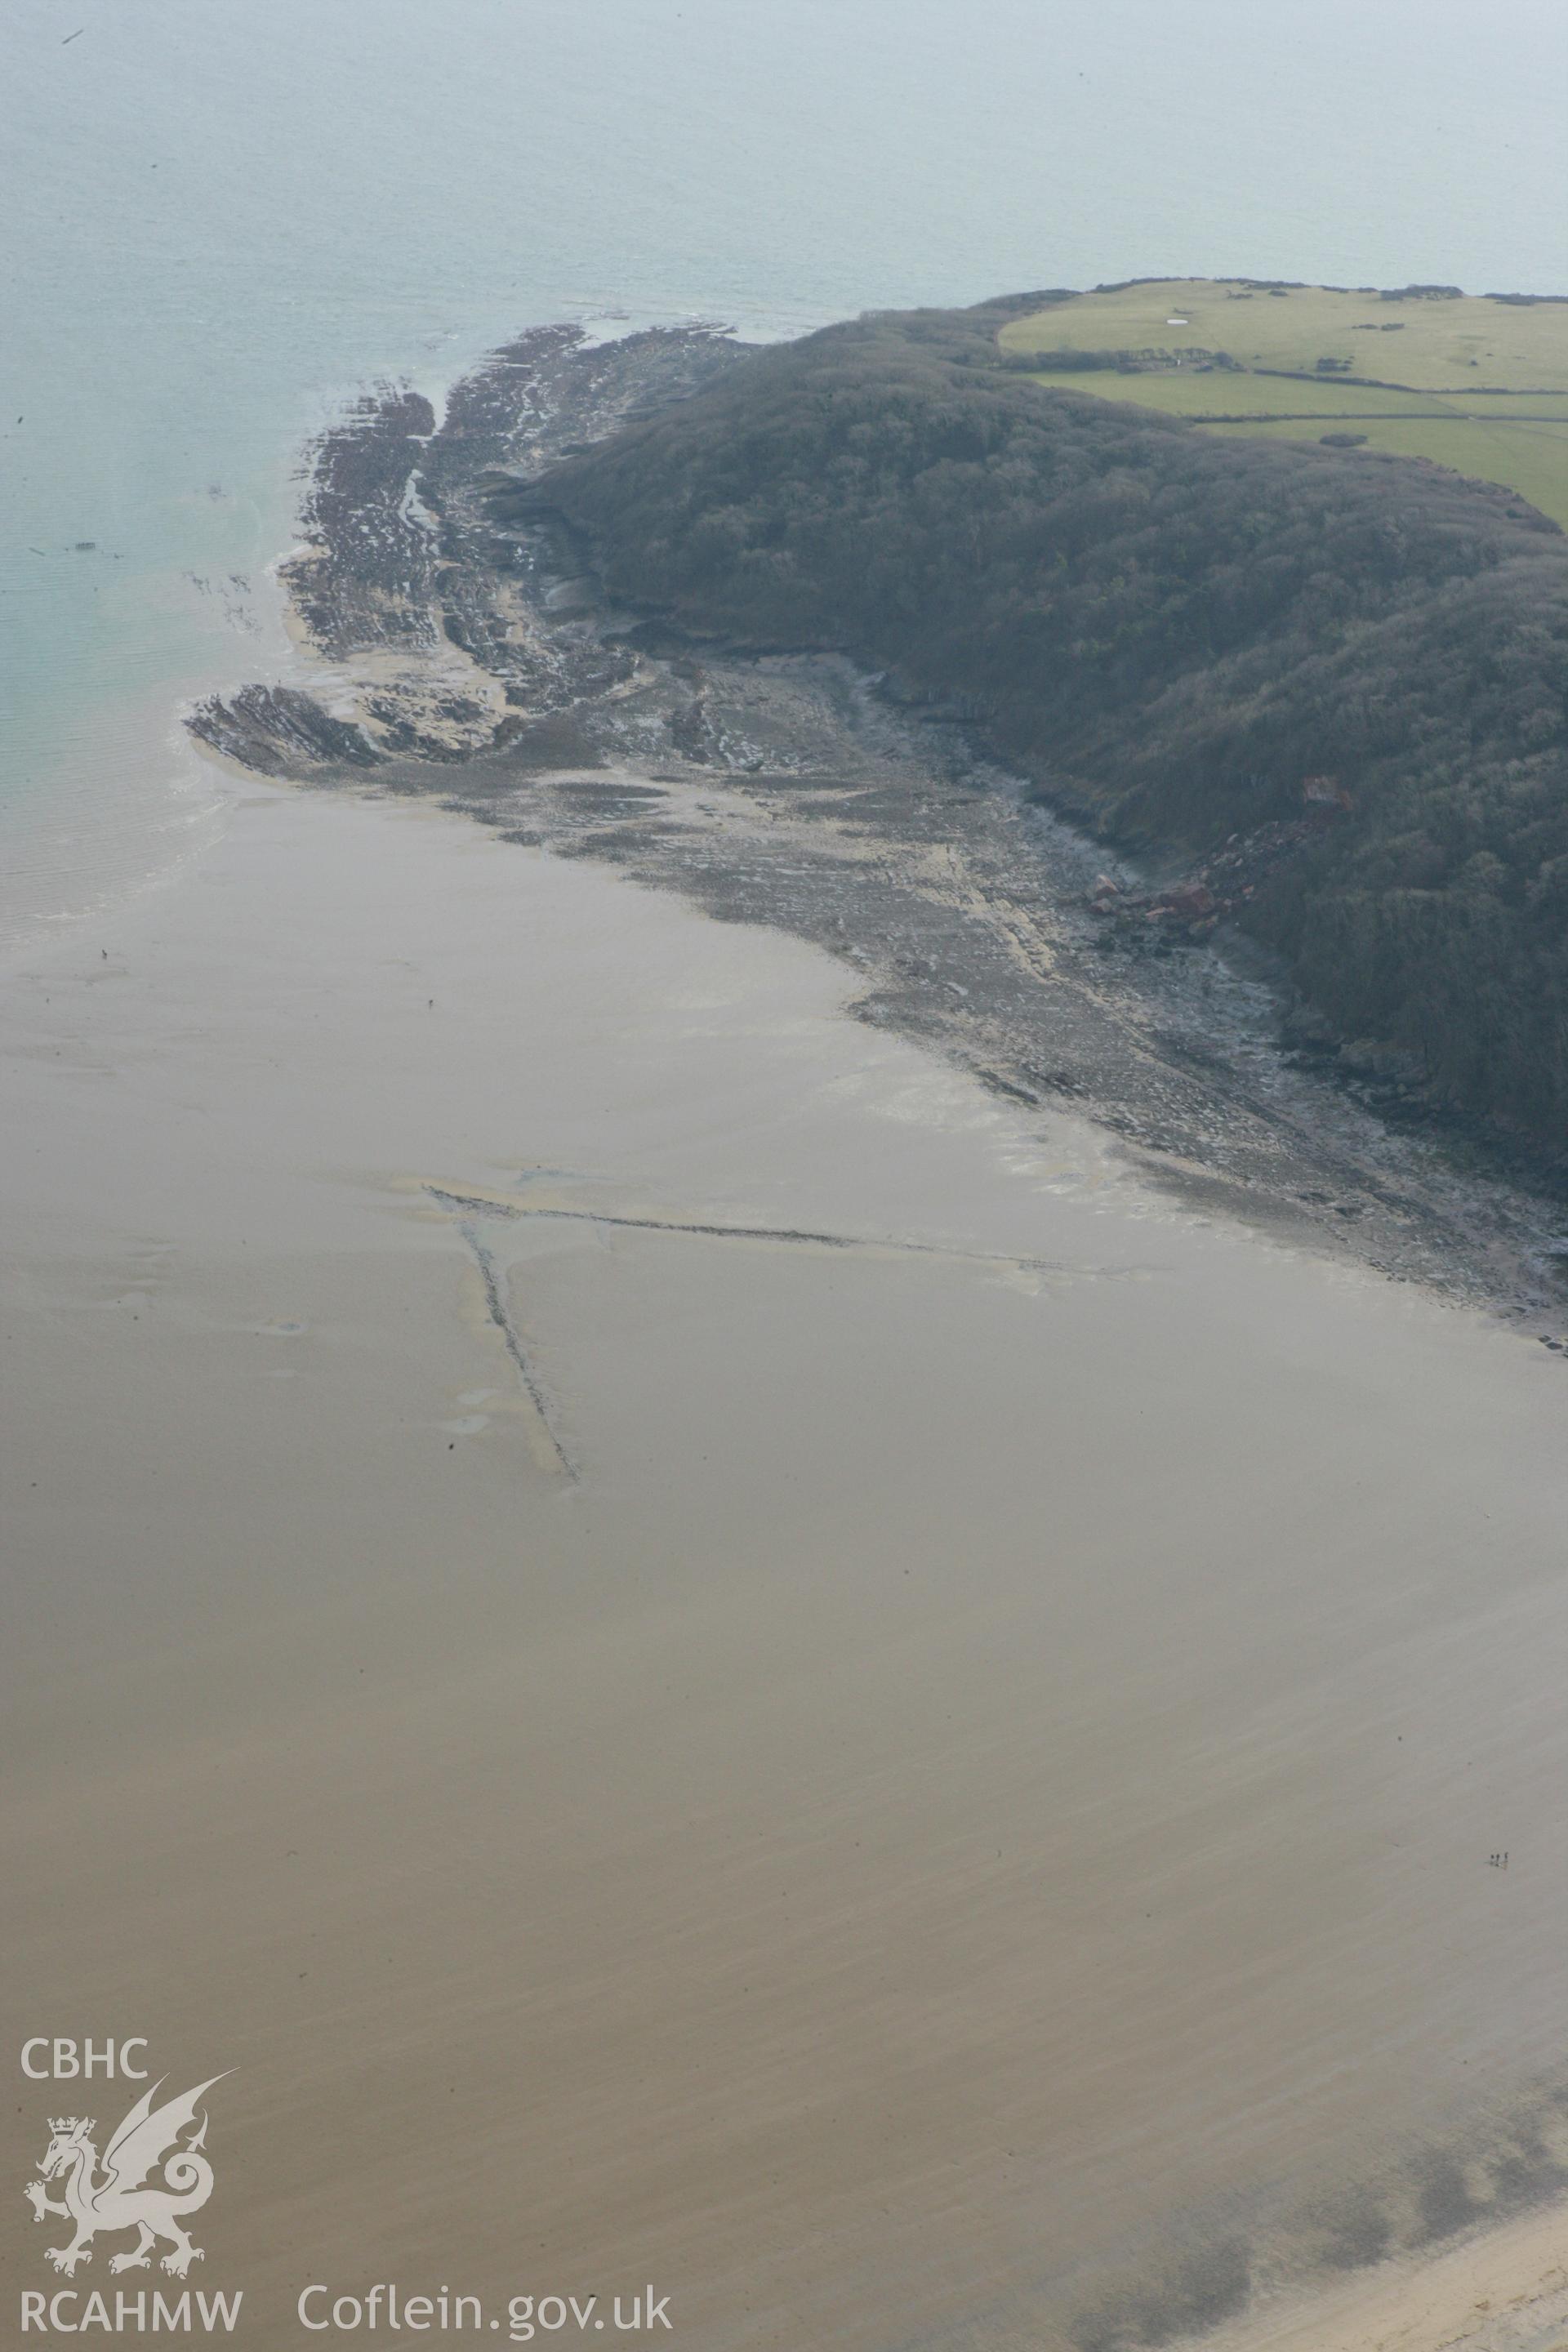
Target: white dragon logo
(122, 2199)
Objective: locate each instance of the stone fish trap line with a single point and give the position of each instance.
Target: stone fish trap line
(466, 1208)
(466, 1205)
(511, 1338)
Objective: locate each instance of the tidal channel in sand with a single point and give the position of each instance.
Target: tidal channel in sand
(709, 1656)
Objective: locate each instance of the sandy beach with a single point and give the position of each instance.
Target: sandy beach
(709, 1656)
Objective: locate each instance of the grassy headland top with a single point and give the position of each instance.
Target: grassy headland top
(1356, 662)
(1476, 382)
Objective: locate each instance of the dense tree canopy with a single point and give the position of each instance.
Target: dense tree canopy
(1173, 634)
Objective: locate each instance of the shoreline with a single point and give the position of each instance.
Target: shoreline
(1504, 2290)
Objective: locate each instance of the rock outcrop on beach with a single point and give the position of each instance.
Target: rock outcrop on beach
(281, 731)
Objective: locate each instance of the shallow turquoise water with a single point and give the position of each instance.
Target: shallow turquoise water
(224, 215)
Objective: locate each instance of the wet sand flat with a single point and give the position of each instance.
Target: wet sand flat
(707, 1656)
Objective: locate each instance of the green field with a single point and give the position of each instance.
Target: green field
(1468, 382)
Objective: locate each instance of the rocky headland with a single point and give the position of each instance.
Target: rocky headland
(458, 641)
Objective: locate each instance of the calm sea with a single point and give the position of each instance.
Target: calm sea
(224, 215)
